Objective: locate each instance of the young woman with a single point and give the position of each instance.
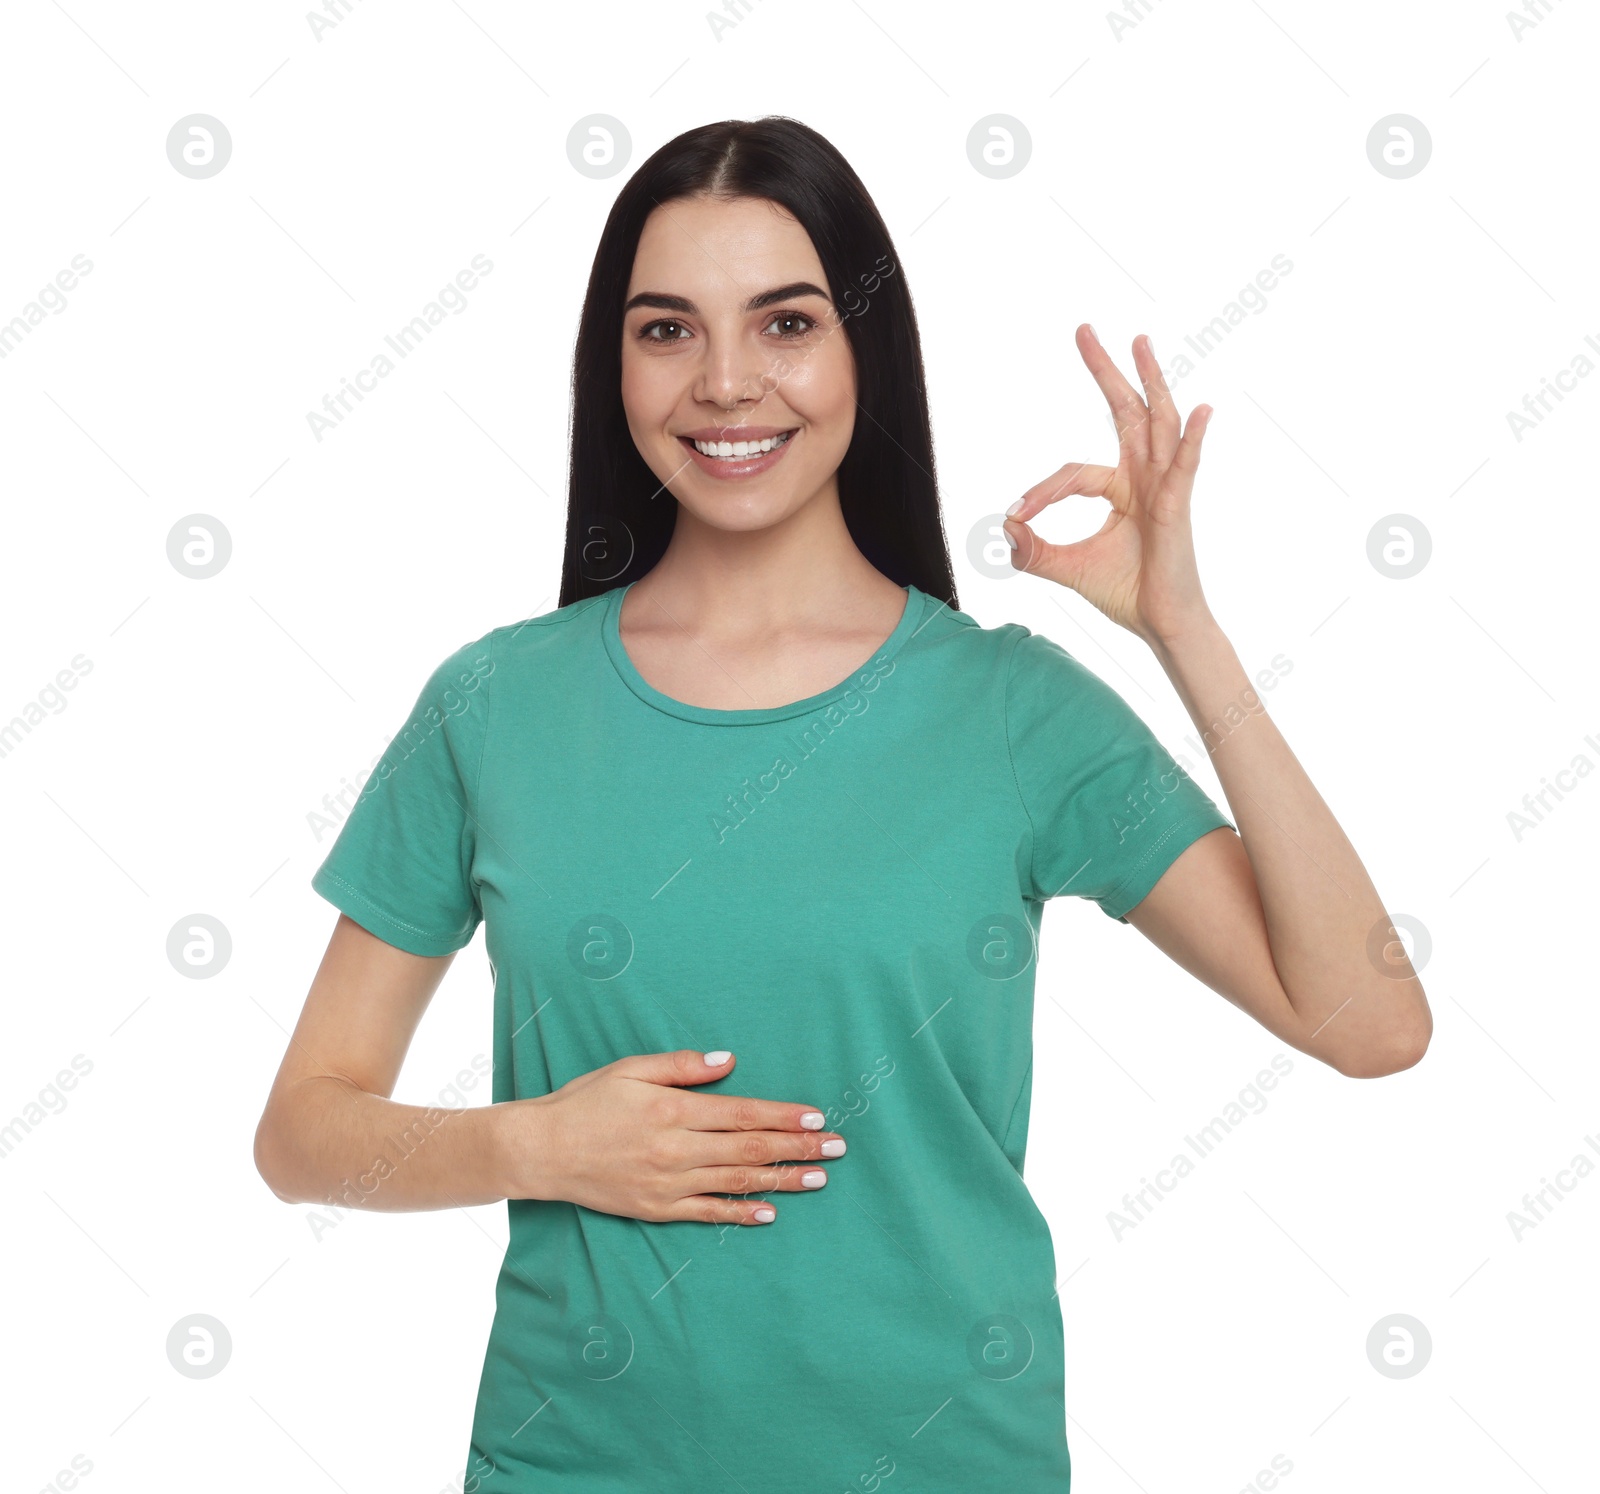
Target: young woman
(759, 826)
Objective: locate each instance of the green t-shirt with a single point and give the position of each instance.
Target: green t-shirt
(844, 891)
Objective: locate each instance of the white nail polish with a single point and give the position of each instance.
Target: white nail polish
(1009, 539)
(766, 1216)
(833, 1148)
(1011, 512)
(812, 1120)
(717, 1059)
(813, 1179)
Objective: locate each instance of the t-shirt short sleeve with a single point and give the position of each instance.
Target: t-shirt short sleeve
(1110, 807)
(401, 865)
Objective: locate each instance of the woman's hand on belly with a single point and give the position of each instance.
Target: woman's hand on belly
(631, 1139)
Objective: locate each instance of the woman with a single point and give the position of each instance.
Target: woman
(760, 826)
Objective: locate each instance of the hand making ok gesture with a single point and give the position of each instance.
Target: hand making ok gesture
(1139, 568)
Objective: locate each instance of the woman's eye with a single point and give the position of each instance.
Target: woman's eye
(648, 331)
(788, 319)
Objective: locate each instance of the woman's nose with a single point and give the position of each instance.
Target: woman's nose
(731, 375)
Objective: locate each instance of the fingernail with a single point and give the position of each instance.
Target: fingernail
(1009, 539)
(833, 1148)
(1092, 332)
(813, 1179)
(766, 1216)
(717, 1059)
(812, 1120)
(1012, 511)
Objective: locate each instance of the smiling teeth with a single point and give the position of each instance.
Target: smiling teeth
(740, 448)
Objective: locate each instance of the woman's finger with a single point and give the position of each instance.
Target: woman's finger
(1187, 457)
(707, 1208)
(1164, 421)
(756, 1179)
(1075, 478)
(1039, 557)
(1127, 409)
(757, 1148)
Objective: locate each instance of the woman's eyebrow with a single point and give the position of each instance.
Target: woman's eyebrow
(662, 302)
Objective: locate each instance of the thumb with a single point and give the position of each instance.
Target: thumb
(1034, 555)
(680, 1066)
(1026, 546)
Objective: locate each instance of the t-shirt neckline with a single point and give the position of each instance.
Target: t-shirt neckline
(611, 631)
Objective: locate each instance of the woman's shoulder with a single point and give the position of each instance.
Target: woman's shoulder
(540, 638)
(944, 624)
(549, 626)
(1017, 660)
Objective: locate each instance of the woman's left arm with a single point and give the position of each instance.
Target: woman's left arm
(1281, 919)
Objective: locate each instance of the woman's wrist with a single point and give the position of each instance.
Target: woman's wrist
(519, 1149)
(1200, 629)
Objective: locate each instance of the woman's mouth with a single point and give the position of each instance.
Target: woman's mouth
(738, 458)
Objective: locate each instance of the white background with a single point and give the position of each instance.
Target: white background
(1170, 162)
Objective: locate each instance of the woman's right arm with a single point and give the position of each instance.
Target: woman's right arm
(329, 1133)
(630, 1138)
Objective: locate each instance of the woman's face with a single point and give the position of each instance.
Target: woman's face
(730, 336)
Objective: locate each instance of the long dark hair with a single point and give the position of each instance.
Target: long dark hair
(619, 518)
